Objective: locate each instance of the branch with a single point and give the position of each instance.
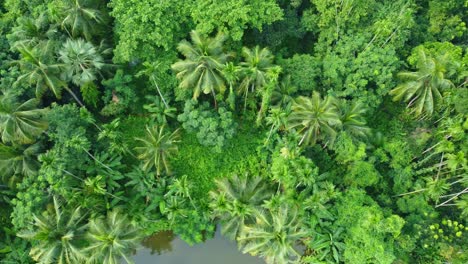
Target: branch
(453, 197)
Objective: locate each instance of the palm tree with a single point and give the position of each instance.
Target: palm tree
(274, 235)
(236, 200)
(256, 67)
(30, 31)
(202, 68)
(18, 161)
(38, 69)
(283, 94)
(112, 238)
(231, 74)
(352, 118)
(422, 88)
(314, 118)
(277, 119)
(57, 235)
(81, 61)
(157, 147)
(151, 70)
(79, 17)
(20, 122)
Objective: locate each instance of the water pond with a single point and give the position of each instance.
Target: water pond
(165, 248)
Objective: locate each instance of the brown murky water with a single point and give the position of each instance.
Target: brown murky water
(165, 248)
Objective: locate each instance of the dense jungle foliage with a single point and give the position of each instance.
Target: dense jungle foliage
(311, 131)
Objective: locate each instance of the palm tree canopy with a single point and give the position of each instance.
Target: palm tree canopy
(236, 200)
(78, 17)
(256, 69)
(37, 69)
(352, 118)
(112, 238)
(19, 160)
(274, 235)
(20, 122)
(202, 68)
(314, 118)
(81, 61)
(157, 147)
(30, 31)
(58, 235)
(422, 89)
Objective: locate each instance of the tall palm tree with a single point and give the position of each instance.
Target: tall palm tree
(30, 31)
(18, 161)
(81, 61)
(231, 74)
(256, 67)
(157, 147)
(202, 68)
(274, 235)
(38, 69)
(277, 119)
(314, 118)
(422, 89)
(79, 17)
(236, 200)
(111, 239)
(352, 118)
(20, 122)
(57, 235)
(283, 94)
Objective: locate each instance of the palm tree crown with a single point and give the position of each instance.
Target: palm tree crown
(18, 161)
(352, 118)
(236, 200)
(256, 68)
(81, 61)
(274, 235)
(422, 88)
(20, 122)
(201, 69)
(157, 147)
(79, 17)
(112, 238)
(39, 70)
(314, 118)
(58, 234)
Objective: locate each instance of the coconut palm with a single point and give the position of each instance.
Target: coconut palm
(231, 74)
(274, 235)
(236, 200)
(314, 118)
(30, 31)
(20, 122)
(256, 68)
(18, 161)
(283, 93)
(39, 70)
(277, 119)
(157, 147)
(422, 89)
(352, 118)
(111, 239)
(57, 235)
(202, 68)
(79, 17)
(81, 61)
